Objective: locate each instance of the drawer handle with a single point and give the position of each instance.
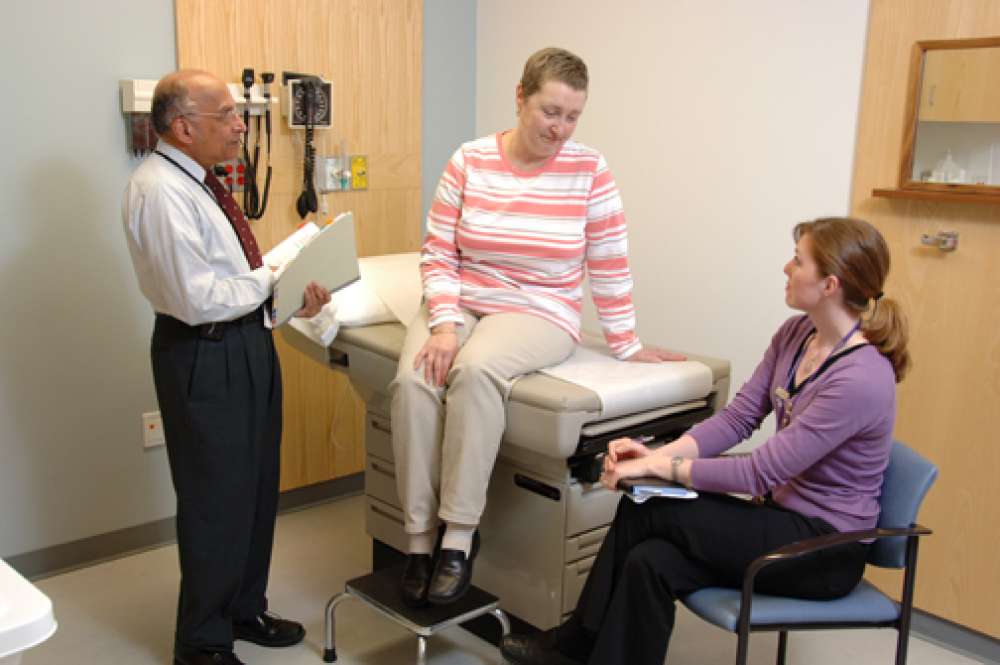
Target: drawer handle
(379, 427)
(537, 487)
(591, 539)
(388, 516)
(377, 468)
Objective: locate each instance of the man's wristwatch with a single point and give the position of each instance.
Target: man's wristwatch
(675, 465)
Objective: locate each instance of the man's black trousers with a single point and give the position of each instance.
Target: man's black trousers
(220, 400)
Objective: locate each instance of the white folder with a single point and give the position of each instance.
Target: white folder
(330, 259)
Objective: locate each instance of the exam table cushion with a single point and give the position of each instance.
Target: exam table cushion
(536, 389)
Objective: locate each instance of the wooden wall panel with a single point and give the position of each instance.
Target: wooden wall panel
(948, 406)
(371, 51)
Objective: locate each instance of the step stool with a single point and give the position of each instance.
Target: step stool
(380, 591)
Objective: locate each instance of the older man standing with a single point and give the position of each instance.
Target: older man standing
(216, 371)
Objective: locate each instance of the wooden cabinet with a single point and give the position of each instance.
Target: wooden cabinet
(960, 85)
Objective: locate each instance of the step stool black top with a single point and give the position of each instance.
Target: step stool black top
(382, 589)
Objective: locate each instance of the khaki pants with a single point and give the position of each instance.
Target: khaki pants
(444, 453)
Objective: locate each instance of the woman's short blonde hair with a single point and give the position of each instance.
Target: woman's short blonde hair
(553, 64)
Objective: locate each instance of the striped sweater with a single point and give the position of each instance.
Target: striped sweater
(499, 240)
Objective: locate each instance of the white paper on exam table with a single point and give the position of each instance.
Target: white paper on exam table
(329, 257)
(626, 387)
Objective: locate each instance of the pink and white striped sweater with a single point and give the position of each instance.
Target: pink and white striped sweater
(499, 240)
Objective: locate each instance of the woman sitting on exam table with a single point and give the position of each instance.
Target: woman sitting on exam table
(830, 378)
(518, 218)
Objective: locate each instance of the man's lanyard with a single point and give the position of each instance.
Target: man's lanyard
(200, 183)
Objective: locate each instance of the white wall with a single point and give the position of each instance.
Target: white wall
(74, 345)
(449, 87)
(725, 122)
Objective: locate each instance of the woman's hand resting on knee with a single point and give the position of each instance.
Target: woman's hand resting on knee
(438, 353)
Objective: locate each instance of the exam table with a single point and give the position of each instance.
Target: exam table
(546, 515)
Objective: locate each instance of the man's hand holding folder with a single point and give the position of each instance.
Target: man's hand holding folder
(311, 257)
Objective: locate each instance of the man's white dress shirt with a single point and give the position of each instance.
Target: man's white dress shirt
(185, 252)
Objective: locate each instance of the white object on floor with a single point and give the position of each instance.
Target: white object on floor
(26, 617)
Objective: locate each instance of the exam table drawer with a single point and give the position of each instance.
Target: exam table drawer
(590, 506)
(574, 576)
(380, 481)
(585, 545)
(378, 436)
(385, 523)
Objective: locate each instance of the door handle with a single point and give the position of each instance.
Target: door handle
(946, 241)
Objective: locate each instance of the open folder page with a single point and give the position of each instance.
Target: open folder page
(640, 489)
(328, 257)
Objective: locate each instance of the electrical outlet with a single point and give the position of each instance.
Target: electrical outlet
(152, 430)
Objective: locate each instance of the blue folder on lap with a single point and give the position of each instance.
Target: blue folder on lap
(640, 489)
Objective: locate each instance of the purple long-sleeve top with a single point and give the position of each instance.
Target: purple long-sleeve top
(828, 462)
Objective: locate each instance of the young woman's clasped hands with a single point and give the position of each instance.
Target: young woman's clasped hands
(631, 458)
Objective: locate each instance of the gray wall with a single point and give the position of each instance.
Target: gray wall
(449, 94)
(74, 359)
(74, 370)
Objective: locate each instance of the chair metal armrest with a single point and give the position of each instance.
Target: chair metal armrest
(802, 547)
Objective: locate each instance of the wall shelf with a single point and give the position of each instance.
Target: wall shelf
(950, 196)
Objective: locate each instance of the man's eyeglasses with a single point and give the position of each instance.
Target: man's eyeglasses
(226, 115)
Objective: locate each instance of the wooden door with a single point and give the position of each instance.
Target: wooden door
(371, 51)
(949, 406)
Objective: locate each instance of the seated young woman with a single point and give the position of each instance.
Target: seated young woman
(829, 376)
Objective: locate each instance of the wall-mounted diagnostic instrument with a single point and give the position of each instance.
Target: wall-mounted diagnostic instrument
(304, 95)
(308, 104)
(255, 202)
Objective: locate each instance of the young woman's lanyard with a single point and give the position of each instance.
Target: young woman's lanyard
(786, 394)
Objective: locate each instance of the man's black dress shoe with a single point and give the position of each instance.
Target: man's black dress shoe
(269, 630)
(452, 574)
(206, 658)
(537, 649)
(416, 578)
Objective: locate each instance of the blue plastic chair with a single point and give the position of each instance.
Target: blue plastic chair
(907, 480)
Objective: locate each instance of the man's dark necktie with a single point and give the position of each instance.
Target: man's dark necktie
(236, 218)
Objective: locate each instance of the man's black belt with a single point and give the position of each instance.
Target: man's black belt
(216, 330)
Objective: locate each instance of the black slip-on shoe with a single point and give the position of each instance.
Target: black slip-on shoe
(416, 579)
(206, 658)
(269, 630)
(537, 649)
(452, 574)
